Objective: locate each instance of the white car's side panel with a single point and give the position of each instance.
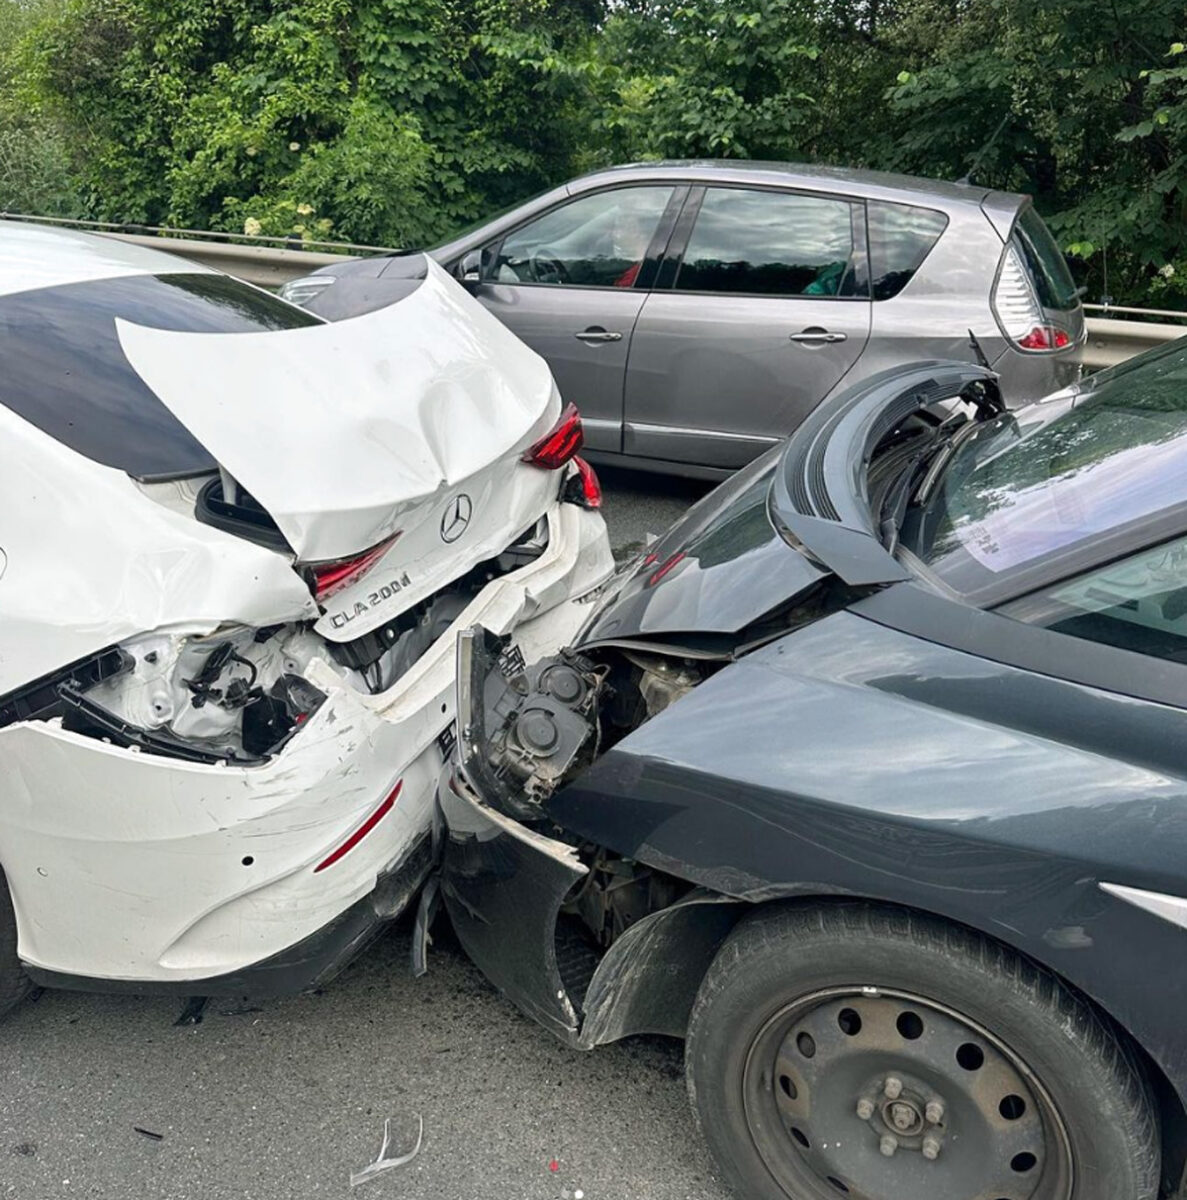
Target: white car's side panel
(92, 561)
(338, 429)
(125, 865)
(37, 256)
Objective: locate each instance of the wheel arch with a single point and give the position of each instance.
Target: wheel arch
(648, 981)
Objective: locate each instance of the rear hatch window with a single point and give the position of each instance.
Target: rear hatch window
(1045, 263)
(62, 367)
(901, 237)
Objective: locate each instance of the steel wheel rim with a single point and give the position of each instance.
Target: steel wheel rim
(999, 1135)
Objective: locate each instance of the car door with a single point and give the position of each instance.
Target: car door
(571, 283)
(760, 308)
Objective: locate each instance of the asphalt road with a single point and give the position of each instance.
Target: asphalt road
(285, 1101)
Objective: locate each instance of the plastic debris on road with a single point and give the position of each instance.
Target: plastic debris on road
(383, 1163)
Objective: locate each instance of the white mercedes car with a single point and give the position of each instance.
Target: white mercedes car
(235, 545)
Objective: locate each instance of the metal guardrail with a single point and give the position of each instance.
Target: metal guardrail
(1110, 340)
(267, 265)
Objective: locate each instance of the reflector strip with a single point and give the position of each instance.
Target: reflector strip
(364, 829)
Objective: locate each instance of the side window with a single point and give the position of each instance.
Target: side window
(770, 244)
(901, 237)
(1138, 603)
(596, 241)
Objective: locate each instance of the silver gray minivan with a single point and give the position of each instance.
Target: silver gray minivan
(696, 312)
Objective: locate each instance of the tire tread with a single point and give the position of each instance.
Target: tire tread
(771, 930)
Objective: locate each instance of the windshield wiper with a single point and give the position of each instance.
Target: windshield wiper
(899, 494)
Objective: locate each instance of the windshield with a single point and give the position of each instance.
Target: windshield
(62, 367)
(1057, 475)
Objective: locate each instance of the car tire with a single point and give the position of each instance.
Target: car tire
(14, 983)
(820, 1032)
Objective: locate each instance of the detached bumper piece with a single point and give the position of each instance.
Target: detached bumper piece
(503, 886)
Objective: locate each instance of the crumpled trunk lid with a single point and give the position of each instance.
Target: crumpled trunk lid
(347, 433)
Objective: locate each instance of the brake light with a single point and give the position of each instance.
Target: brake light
(1018, 309)
(560, 444)
(1044, 337)
(584, 488)
(329, 577)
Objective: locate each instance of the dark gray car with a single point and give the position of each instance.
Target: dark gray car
(869, 780)
(696, 312)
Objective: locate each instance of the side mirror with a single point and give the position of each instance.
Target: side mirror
(470, 271)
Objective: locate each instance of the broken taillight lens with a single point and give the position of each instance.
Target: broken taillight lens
(584, 487)
(326, 578)
(560, 444)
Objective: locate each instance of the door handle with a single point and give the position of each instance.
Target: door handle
(815, 336)
(595, 333)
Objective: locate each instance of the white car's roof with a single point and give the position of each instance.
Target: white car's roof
(40, 256)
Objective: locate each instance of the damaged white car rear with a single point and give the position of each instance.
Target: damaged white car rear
(236, 544)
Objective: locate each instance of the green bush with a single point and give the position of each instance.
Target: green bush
(397, 121)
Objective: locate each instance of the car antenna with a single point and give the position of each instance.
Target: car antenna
(975, 346)
(967, 177)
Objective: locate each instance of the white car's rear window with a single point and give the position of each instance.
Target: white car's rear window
(62, 367)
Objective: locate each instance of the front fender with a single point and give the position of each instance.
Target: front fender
(849, 758)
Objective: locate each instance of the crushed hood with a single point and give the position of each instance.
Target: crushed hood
(338, 429)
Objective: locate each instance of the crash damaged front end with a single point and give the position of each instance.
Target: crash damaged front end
(575, 864)
(572, 919)
(591, 944)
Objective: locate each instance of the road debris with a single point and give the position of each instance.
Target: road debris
(195, 1006)
(382, 1163)
(149, 1133)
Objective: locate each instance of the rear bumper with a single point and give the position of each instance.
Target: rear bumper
(1028, 376)
(132, 868)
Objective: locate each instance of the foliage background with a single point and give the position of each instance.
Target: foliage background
(394, 122)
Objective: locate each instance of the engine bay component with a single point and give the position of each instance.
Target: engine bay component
(524, 729)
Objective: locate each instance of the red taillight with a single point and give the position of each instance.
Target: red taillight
(329, 577)
(1045, 337)
(365, 828)
(584, 488)
(560, 443)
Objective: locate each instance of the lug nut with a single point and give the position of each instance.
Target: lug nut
(931, 1147)
(934, 1112)
(888, 1145)
(892, 1088)
(865, 1108)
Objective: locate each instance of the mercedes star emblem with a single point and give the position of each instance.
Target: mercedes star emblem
(456, 517)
